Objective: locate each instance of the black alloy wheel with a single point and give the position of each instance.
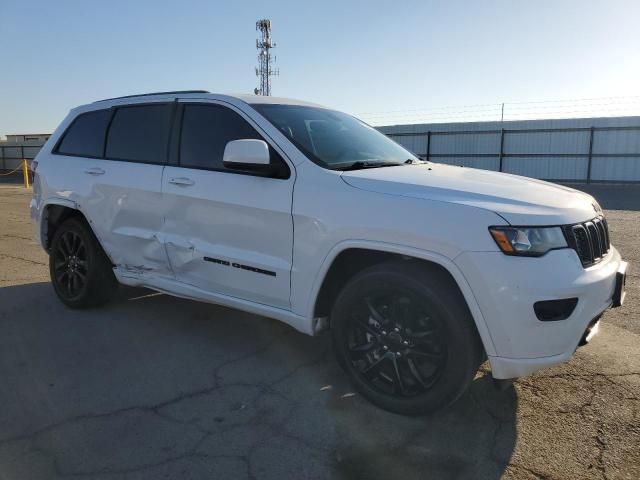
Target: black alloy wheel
(81, 273)
(70, 263)
(403, 333)
(396, 344)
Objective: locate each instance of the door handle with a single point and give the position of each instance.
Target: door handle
(182, 181)
(94, 171)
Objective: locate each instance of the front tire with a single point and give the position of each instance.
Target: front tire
(404, 335)
(81, 273)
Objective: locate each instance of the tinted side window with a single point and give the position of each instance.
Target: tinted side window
(206, 130)
(85, 135)
(140, 133)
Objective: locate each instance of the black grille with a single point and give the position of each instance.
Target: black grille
(589, 239)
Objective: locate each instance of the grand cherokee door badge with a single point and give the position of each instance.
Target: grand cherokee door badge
(248, 268)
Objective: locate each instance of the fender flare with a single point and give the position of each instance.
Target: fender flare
(441, 260)
(52, 201)
(63, 202)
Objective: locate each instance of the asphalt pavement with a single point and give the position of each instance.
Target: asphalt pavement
(154, 387)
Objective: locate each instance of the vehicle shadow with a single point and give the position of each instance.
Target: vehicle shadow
(160, 387)
(473, 438)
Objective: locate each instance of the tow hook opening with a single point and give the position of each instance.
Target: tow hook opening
(590, 332)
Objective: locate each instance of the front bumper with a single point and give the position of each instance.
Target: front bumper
(506, 288)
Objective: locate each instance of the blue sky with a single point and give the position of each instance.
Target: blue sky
(357, 56)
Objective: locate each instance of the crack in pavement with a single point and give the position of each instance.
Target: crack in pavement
(602, 446)
(145, 408)
(18, 237)
(265, 347)
(587, 410)
(140, 468)
(159, 410)
(499, 424)
(536, 474)
(6, 255)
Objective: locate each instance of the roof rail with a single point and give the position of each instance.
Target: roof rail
(154, 93)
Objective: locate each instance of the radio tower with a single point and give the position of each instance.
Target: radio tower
(265, 70)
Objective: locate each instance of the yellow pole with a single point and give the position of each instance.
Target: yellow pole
(25, 172)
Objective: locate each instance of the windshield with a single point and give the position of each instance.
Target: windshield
(334, 139)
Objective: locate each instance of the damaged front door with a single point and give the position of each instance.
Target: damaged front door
(226, 232)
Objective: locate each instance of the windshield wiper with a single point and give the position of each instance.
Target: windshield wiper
(360, 165)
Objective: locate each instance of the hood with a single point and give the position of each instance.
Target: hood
(519, 200)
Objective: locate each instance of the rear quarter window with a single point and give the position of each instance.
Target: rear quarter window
(85, 136)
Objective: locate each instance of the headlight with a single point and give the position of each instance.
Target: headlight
(528, 241)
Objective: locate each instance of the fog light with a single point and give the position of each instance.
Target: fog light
(554, 310)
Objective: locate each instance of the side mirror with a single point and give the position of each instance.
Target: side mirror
(248, 155)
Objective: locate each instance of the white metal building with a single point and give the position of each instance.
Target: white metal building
(18, 147)
(582, 149)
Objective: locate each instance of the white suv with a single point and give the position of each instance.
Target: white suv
(296, 212)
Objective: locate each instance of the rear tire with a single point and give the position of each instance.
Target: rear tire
(81, 273)
(404, 335)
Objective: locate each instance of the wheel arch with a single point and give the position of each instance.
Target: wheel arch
(54, 212)
(349, 257)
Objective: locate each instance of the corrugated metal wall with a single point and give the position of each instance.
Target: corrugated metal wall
(583, 149)
(11, 155)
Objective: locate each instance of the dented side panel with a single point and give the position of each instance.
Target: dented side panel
(122, 205)
(124, 208)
